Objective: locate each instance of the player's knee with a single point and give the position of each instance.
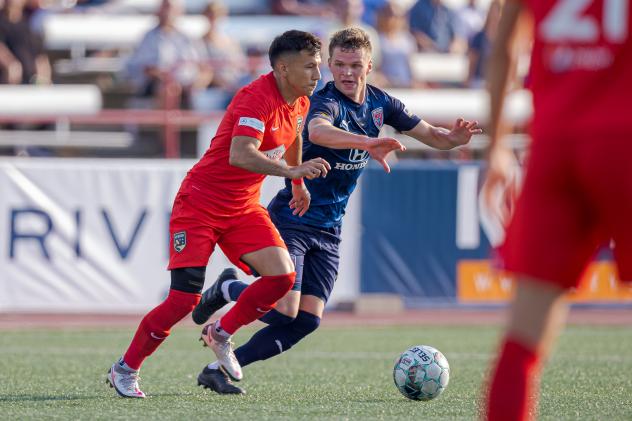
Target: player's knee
(182, 303)
(280, 284)
(305, 323)
(189, 280)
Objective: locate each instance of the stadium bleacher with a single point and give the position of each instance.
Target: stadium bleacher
(84, 48)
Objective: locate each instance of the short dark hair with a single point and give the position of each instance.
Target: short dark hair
(350, 39)
(293, 41)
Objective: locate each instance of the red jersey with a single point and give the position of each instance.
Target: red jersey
(581, 67)
(258, 110)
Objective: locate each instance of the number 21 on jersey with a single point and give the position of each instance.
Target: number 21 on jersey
(568, 22)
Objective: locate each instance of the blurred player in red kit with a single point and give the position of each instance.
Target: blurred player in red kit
(577, 193)
(218, 203)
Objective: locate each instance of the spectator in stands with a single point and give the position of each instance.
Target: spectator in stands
(349, 13)
(481, 45)
(22, 56)
(221, 54)
(371, 9)
(321, 8)
(436, 27)
(256, 65)
(471, 20)
(86, 5)
(397, 45)
(167, 61)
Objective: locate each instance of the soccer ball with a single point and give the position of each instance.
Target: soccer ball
(421, 373)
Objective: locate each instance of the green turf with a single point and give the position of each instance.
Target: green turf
(337, 373)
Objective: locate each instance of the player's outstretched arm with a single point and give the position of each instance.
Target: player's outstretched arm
(500, 160)
(444, 139)
(380, 147)
(323, 133)
(244, 153)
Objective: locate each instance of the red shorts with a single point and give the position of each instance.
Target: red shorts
(577, 196)
(194, 231)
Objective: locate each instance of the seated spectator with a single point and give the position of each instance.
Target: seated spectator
(436, 27)
(348, 14)
(222, 58)
(86, 5)
(397, 45)
(471, 20)
(257, 64)
(371, 10)
(22, 56)
(167, 61)
(219, 51)
(322, 8)
(481, 46)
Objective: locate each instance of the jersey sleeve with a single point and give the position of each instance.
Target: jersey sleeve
(325, 108)
(251, 113)
(398, 116)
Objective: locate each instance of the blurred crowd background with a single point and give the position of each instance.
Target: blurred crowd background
(193, 55)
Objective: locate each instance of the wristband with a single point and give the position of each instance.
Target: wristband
(297, 181)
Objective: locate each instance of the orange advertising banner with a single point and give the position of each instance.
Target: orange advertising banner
(477, 282)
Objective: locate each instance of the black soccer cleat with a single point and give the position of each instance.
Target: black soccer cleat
(218, 381)
(213, 299)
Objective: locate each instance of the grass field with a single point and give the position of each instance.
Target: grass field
(337, 373)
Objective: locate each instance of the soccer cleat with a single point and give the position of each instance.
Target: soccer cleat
(218, 381)
(212, 299)
(124, 382)
(223, 349)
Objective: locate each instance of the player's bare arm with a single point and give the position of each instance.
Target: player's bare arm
(442, 138)
(301, 198)
(323, 133)
(244, 153)
(500, 158)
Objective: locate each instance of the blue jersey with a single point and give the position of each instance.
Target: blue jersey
(331, 194)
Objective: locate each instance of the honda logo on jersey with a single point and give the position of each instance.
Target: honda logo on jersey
(378, 117)
(357, 155)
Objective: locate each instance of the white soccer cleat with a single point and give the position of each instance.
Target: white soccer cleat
(124, 382)
(223, 349)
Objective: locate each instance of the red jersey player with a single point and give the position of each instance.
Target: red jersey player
(218, 203)
(577, 192)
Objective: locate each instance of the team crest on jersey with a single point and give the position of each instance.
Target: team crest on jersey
(180, 241)
(378, 117)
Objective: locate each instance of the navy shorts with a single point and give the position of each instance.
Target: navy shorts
(315, 252)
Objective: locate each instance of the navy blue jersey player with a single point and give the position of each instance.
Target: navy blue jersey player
(342, 127)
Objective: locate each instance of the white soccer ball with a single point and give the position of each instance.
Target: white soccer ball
(421, 373)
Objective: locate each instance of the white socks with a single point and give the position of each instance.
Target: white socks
(225, 287)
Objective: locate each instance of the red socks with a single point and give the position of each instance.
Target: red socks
(514, 387)
(156, 326)
(256, 300)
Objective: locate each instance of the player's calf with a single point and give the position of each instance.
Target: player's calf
(274, 340)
